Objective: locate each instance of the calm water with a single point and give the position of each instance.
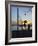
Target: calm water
(20, 28)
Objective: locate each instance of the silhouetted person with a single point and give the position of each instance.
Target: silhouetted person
(28, 26)
(24, 23)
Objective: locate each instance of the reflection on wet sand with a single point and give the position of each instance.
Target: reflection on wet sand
(23, 25)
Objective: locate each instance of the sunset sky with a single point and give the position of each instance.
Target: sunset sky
(22, 11)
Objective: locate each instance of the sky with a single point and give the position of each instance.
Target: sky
(22, 12)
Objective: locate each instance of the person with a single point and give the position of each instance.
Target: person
(28, 26)
(25, 24)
